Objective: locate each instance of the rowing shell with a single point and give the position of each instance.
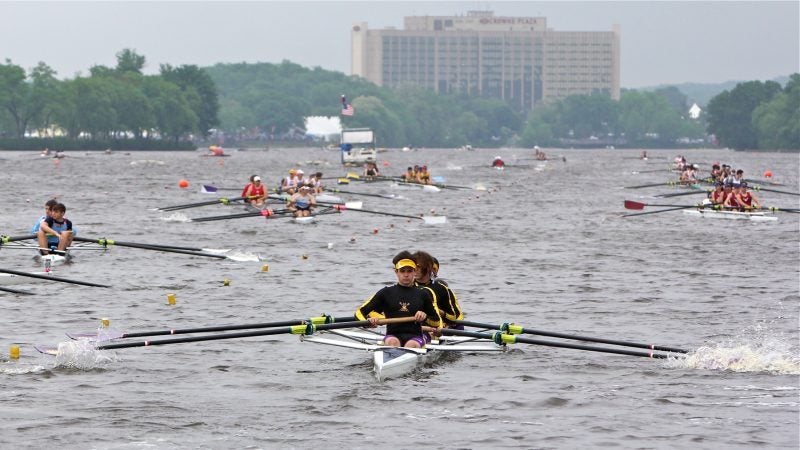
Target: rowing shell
(732, 215)
(394, 362)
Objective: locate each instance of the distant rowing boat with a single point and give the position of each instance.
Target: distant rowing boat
(756, 216)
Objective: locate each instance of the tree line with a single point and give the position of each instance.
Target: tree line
(181, 106)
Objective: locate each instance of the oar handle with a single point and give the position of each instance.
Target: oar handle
(6, 239)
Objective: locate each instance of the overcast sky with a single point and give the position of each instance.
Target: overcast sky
(662, 42)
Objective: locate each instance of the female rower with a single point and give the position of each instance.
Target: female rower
(371, 170)
(446, 300)
(717, 196)
(403, 299)
(255, 192)
(302, 202)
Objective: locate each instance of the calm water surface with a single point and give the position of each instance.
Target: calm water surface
(543, 247)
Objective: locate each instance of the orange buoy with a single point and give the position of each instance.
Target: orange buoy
(183, 184)
(768, 173)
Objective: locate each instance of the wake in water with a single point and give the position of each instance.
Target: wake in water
(755, 351)
(82, 355)
(177, 217)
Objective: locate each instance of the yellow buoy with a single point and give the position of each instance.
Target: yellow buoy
(104, 322)
(171, 299)
(265, 268)
(226, 282)
(13, 352)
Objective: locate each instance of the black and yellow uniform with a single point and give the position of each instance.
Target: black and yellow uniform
(402, 301)
(446, 300)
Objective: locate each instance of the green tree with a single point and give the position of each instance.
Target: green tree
(173, 113)
(130, 61)
(730, 114)
(777, 122)
(23, 97)
(205, 103)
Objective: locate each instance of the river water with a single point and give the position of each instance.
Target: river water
(543, 246)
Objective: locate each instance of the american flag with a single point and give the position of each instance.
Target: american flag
(347, 109)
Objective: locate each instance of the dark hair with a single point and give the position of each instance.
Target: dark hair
(424, 261)
(50, 203)
(59, 207)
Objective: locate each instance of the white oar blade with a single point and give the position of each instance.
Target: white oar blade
(430, 188)
(434, 220)
(354, 205)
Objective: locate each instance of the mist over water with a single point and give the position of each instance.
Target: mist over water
(543, 246)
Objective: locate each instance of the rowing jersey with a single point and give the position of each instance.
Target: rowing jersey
(402, 301)
(717, 197)
(38, 224)
(251, 190)
(446, 300)
(65, 225)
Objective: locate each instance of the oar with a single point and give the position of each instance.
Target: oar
(669, 183)
(348, 205)
(110, 335)
(305, 329)
(656, 212)
(267, 213)
(52, 278)
(678, 194)
(776, 209)
(209, 189)
(630, 204)
(502, 338)
(109, 242)
(224, 201)
(339, 191)
(651, 171)
(6, 239)
(428, 219)
(15, 291)
(516, 329)
(760, 188)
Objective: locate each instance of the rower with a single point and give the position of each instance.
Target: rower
(747, 201)
(289, 184)
(255, 191)
(403, 299)
(717, 196)
(371, 170)
(424, 176)
(446, 300)
(48, 206)
(55, 232)
(302, 202)
(498, 163)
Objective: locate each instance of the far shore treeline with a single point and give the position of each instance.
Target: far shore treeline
(264, 104)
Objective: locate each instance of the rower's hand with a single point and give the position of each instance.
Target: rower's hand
(420, 316)
(373, 322)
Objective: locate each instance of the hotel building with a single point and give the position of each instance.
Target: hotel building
(517, 59)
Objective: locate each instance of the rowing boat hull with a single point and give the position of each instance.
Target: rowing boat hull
(393, 362)
(731, 215)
